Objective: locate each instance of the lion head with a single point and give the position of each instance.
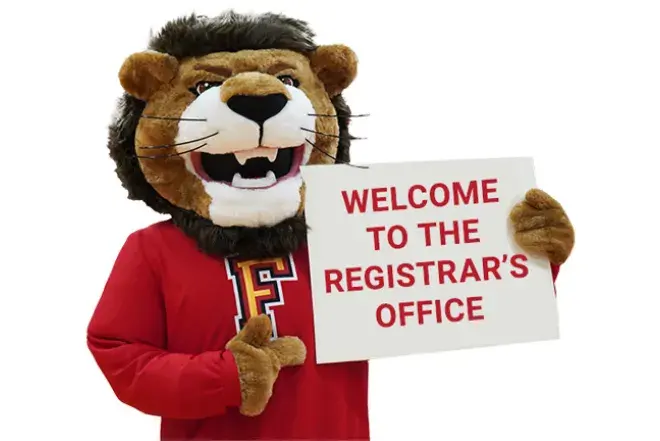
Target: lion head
(217, 118)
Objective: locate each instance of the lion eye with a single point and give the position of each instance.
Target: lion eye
(203, 86)
(289, 80)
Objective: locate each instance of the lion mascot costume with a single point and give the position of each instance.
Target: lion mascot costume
(206, 318)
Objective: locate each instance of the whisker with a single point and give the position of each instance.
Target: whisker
(172, 118)
(338, 116)
(332, 157)
(165, 146)
(351, 137)
(172, 154)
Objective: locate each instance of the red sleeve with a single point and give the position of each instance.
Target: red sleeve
(555, 272)
(127, 337)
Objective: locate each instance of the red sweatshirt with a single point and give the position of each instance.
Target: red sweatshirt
(159, 331)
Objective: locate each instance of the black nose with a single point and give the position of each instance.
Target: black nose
(257, 108)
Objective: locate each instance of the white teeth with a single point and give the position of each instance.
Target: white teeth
(241, 158)
(259, 152)
(239, 182)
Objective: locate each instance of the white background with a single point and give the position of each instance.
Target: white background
(573, 83)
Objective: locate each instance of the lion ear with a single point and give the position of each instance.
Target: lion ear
(336, 67)
(143, 73)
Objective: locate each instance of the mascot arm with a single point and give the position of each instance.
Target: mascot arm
(126, 336)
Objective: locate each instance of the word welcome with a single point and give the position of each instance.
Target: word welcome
(419, 196)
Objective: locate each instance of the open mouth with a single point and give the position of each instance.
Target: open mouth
(258, 168)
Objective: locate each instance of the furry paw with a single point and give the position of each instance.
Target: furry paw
(259, 361)
(541, 227)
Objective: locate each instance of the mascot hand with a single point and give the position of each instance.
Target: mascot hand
(542, 227)
(259, 361)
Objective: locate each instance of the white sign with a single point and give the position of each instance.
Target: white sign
(419, 257)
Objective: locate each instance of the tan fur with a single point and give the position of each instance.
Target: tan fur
(259, 361)
(542, 227)
(149, 76)
(169, 176)
(143, 73)
(252, 83)
(302, 199)
(336, 66)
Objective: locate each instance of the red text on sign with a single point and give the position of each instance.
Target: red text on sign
(432, 272)
(455, 232)
(419, 196)
(421, 312)
(396, 236)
